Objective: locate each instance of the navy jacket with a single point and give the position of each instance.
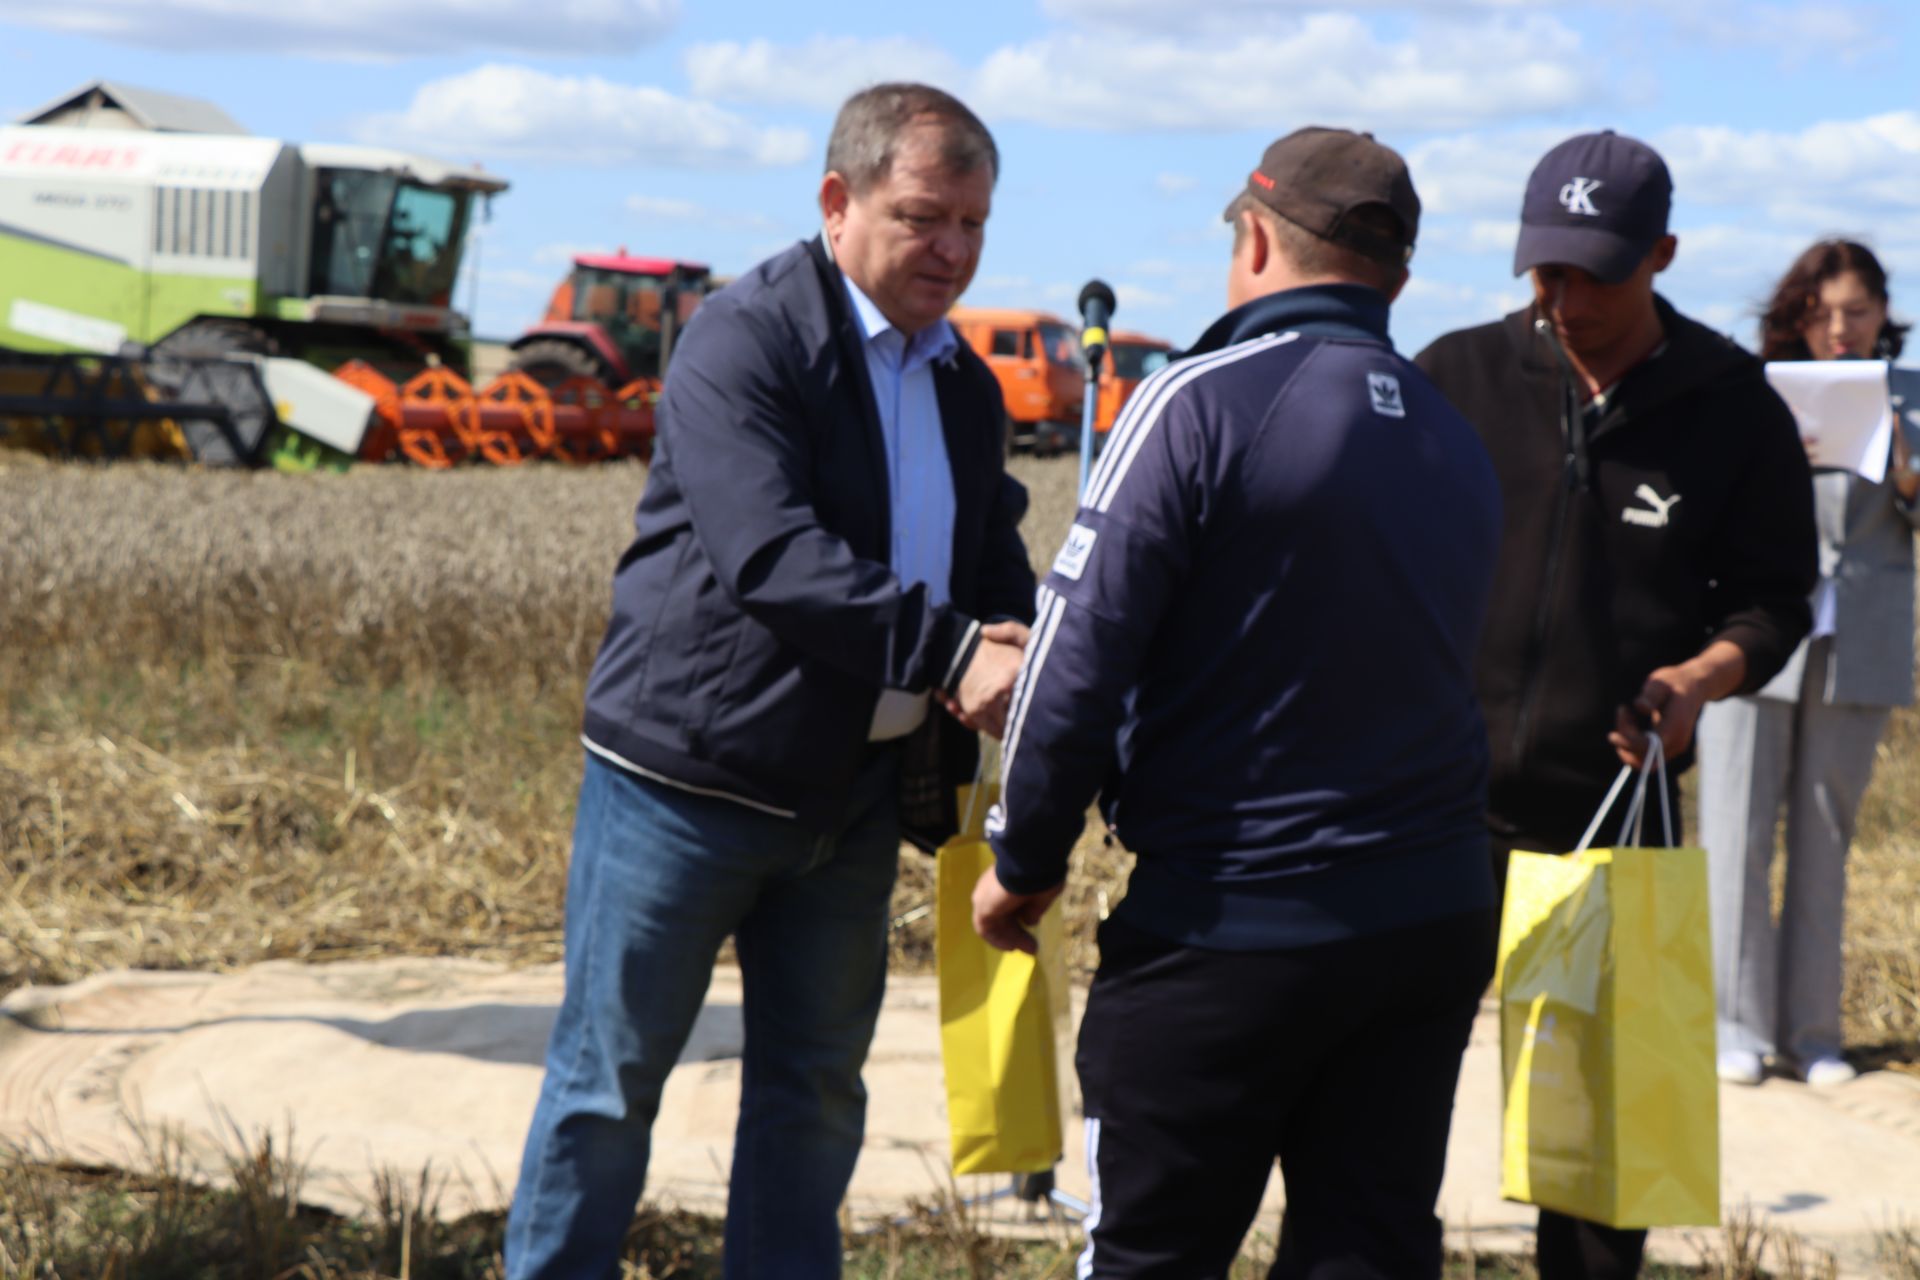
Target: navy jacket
(755, 618)
(1257, 643)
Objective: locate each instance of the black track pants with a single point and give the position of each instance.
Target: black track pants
(1201, 1067)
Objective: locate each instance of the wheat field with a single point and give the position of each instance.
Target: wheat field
(255, 716)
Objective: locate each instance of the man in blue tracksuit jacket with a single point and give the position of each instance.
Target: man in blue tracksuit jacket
(1257, 646)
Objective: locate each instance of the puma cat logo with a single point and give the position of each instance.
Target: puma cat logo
(1659, 517)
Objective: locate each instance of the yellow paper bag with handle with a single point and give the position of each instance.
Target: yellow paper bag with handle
(1001, 1017)
(1607, 1029)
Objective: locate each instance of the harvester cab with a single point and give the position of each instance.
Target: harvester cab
(383, 247)
(613, 320)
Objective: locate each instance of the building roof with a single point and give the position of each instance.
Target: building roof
(147, 108)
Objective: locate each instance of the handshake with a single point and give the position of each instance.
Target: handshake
(986, 686)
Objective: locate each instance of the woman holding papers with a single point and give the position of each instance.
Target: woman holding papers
(1808, 738)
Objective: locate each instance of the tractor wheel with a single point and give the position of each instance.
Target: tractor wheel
(551, 361)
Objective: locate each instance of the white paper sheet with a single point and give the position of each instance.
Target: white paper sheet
(1842, 406)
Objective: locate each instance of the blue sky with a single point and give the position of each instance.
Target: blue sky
(697, 130)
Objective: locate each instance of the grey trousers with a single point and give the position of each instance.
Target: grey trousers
(1778, 989)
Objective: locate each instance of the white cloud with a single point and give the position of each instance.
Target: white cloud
(1328, 68)
(1798, 32)
(1480, 173)
(821, 73)
(670, 209)
(1727, 252)
(362, 30)
(1239, 15)
(517, 280)
(1855, 168)
(562, 253)
(1473, 236)
(503, 111)
(1130, 297)
(1173, 184)
(1837, 172)
(1325, 66)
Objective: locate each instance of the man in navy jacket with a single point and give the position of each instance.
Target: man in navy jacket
(825, 597)
(1257, 646)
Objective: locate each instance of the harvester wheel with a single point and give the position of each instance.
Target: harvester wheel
(531, 435)
(551, 361)
(383, 437)
(452, 418)
(595, 439)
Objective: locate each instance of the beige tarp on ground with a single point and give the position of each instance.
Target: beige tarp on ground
(399, 1063)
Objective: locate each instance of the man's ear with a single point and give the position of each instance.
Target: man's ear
(1259, 242)
(1663, 251)
(835, 195)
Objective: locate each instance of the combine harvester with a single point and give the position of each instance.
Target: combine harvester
(170, 286)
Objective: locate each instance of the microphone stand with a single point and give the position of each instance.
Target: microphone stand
(1088, 406)
(1096, 311)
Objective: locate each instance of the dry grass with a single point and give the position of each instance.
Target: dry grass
(259, 716)
(385, 574)
(250, 717)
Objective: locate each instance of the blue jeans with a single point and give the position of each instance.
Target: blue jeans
(660, 877)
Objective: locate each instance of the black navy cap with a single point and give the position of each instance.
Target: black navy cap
(1598, 201)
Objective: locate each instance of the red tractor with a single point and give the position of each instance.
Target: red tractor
(613, 320)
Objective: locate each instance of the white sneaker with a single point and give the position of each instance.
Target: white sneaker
(1741, 1066)
(1828, 1070)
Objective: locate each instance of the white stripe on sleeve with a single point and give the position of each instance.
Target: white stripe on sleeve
(1100, 497)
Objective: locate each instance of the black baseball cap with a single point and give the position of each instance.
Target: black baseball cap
(1599, 202)
(1316, 177)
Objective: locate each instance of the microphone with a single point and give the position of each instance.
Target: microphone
(1096, 308)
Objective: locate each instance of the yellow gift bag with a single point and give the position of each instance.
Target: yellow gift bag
(1607, 1029)
(1001, 1013)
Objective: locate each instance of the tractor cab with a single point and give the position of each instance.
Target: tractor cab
(614, 319)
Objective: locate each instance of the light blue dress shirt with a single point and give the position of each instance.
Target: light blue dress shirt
(919, 476)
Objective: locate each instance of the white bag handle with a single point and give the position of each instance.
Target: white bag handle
(979, 775)
(1632, 826)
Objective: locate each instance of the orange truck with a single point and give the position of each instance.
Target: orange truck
(1130, 358)
(1036, 356)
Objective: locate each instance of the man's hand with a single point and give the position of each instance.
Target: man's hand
(1004, 919)
(986, 686)
(1671, 699)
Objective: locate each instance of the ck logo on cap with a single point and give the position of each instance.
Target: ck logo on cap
(1577, 196)
(1384, 390)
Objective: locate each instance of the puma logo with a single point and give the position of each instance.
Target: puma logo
(1660, 515)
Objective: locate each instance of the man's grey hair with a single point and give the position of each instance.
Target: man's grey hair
(867, 132)
(1315, 256)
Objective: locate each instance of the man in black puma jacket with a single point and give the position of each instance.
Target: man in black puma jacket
(1658, 550)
